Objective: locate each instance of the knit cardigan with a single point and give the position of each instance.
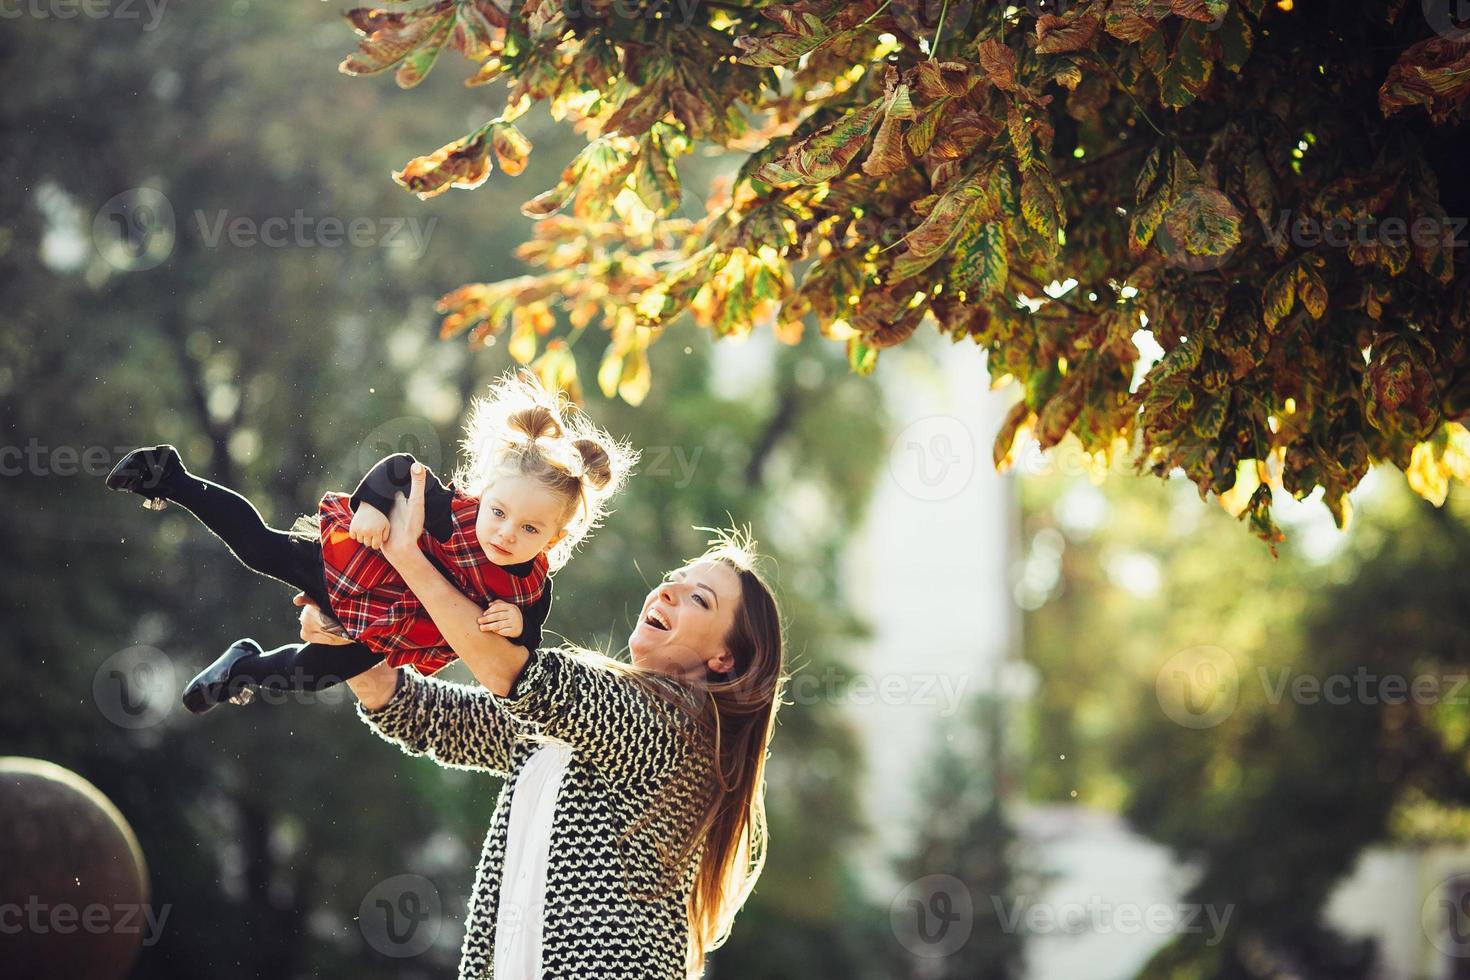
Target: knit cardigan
(615, 909)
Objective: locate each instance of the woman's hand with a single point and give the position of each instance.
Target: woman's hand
(503, 618)
(406, 522)
(375, 686)
(314, 623)
(369, 526)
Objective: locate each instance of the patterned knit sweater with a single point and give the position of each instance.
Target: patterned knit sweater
(615, 909)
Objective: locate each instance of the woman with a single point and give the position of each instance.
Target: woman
(632, 824)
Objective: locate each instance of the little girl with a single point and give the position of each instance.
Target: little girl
(536, 480)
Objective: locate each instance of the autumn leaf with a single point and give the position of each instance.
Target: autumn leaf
(1073, 32)
(511, 147)
(888, 154)
(465, 164)
(827, 152)
(1435, 74)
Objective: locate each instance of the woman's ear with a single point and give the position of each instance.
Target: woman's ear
(722, 664)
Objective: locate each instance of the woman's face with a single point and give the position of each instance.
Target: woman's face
(685, 619)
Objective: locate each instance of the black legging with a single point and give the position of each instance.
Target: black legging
(294, 560)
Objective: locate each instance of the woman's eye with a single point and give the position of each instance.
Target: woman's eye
(700, 599)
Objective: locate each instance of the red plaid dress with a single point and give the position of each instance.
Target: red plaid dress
(377, 609)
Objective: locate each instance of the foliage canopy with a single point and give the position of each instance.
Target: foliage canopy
(1266, 187)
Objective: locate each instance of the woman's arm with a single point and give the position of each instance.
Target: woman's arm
(458, 726)
(455, 725)
(495, 661)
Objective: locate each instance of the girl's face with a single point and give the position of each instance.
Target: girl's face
(518, 519)
(682, 628)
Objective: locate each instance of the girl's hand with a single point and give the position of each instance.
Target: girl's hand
(369, 527)
(503, 618)
(406, 522)
(314, 623)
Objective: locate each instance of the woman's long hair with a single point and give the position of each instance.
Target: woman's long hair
(743, 713)
(737, 713)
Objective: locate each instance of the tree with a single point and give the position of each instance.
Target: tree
(1241, 177)
(1268, 732)
(285, 371)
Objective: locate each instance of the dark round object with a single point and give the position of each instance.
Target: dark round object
(73, 884)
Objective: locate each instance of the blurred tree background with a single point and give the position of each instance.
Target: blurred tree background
(1266, 721)
(286, 371)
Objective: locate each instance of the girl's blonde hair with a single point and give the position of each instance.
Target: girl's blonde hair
(520, 427)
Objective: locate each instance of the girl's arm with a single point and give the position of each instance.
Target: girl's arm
(631, 734)
(495, 661)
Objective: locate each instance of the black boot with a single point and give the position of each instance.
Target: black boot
(233, 677)
(147, 472)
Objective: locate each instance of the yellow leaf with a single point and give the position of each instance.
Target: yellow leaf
(1427, 478)
(1238, 498)
(637, 378)
(610, 372)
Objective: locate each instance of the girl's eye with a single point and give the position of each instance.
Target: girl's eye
(529, 529)
(497, 511)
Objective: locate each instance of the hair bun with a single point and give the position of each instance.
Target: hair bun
(596, 463)
(535, 422)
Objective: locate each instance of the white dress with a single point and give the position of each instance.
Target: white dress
(521, 914)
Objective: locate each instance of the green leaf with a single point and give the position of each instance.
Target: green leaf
(827, 152)
(981, 263)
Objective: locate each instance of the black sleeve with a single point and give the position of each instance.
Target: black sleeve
(532, 618)
(389, 476)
